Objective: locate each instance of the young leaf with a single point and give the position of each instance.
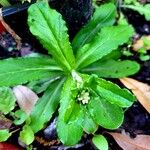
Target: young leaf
(49, 27)
(105, 42)
(7, 100)
(105, 114)
(100, 142)
(27, 135)
(15, 71)
(46, 106)
(103, 16)
(20, 117)
(70, 115)
(89, 125)
(112, 68)
(114, 94)
(4, 135)
(109, 91)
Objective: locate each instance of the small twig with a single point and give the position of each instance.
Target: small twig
(11, 31)
(14, 131)
(44, 142)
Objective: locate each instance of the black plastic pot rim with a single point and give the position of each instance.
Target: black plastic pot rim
(7, 11)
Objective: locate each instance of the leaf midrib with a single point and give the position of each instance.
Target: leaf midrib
(56, 41)
(29, 70)
(52, 96)
(94, 29)
(89, 52)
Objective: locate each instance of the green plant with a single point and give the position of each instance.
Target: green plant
(4, 3)
(143, 49)
(72, 74)
(137, 6)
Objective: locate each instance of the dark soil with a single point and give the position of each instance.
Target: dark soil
(76, 14)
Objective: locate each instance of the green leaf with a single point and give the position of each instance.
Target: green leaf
(112, 68)
(115, 55)
(107, 40)
(20, 117)
(49, 27)
(89, 126)
(100, 142)
(105, 114)
(46, 106)
(70, 119)
(41, 85)
(122, 20)
(130, 1)
(15, 71)
(27, 135)
(4, 135)
(70, 133)
(68, 96)
(103, 16)
(4, 3)
(109, 91)
(7, 100)
(114, 94)
(142, 9)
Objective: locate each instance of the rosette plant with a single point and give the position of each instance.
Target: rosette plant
(83, 99)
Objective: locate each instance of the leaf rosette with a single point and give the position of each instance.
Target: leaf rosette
(71, 74)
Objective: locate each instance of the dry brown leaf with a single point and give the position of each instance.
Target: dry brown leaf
(141, 142)
(140, 90)
(11, 31)
(140, 44)
(4, 122)
(26, 98)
